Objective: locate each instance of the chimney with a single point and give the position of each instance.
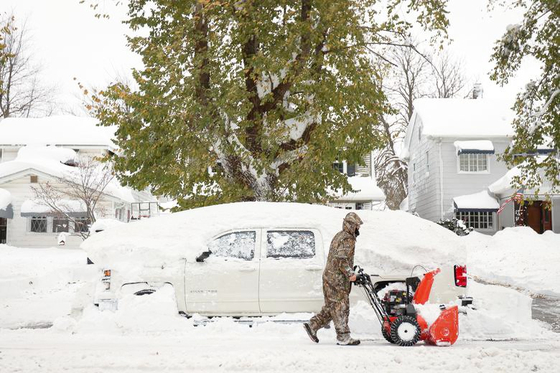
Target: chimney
(477, 91)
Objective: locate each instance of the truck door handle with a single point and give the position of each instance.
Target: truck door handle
(247, 269)
(313, 268)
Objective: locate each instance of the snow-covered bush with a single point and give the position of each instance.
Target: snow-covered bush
(455, 225)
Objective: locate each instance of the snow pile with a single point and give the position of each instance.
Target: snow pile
(5, 198)
(38, 285)
(103, 224)
(382, 246)
(517, 257)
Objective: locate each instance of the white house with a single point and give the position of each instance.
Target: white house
(451, 146)
(34, 151)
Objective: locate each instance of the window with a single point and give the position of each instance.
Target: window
(476, 219)
(339, 166)
(34, 179)
(60, 225)
(239, 245)
(82, 225)
(345, 168)
(290, 244)
(39, 224)
(473, 162)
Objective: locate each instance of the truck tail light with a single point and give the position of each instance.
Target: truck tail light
(461, 276)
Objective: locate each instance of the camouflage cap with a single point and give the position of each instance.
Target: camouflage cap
(353, 218)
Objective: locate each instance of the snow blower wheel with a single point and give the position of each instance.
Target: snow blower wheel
(405, 331)
(386, 335)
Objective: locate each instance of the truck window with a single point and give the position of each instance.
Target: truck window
(290, 244)
(240, 245)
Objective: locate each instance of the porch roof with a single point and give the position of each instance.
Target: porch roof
(481, 201)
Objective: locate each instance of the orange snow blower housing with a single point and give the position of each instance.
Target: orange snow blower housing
(403, 325)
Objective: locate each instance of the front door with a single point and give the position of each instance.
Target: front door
(226, 283)
(3, 230)
(534, 216)
(292, 266)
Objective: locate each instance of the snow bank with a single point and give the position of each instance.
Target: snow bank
(389, 241)
(517, 257)
(39, 285)
(103, 224)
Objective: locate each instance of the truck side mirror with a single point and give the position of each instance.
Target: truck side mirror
(203, 256)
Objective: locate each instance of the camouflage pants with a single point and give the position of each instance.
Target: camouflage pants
(336, 308)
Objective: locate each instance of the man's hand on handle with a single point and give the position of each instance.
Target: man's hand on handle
(353, 278)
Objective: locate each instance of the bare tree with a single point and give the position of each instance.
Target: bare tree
(448, 79)
(79, 190)
(413, 74)
(407, 80)
(22, 94)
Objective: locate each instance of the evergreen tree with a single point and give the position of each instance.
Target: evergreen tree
(244, 100)
(537, 122)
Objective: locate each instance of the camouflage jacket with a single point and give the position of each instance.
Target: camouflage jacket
(340, 261)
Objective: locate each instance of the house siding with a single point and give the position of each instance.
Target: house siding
(506, 218)
(556, 215)
(424, 175)
(458, 184)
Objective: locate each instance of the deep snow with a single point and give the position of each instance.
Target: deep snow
(47, 322)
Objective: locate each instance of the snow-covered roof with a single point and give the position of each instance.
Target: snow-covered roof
(56, 130)
(366, 190)
(502, 187)
(476, 146)
(461, 118)
(50, 160)
(476, 201)
(71, 207)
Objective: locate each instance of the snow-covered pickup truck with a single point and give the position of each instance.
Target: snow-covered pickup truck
(251, 259)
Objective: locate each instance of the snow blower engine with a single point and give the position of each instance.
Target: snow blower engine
(401, 324)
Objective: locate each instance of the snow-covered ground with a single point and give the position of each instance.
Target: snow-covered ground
(43, 327)
(517, 257)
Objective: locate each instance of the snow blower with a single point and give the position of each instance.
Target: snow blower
(401, 324)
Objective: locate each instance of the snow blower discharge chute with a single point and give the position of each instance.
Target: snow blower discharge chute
(401, 324)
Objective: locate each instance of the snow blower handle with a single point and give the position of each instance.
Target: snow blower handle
(361, 277)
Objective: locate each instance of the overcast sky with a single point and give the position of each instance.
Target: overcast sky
(70, 43)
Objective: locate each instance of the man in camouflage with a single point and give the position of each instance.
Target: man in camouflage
(337, 283)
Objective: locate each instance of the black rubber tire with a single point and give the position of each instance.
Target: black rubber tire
(386, 335)
(409, 326)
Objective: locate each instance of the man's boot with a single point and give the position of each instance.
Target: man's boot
(311, 332)
(348, 341)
